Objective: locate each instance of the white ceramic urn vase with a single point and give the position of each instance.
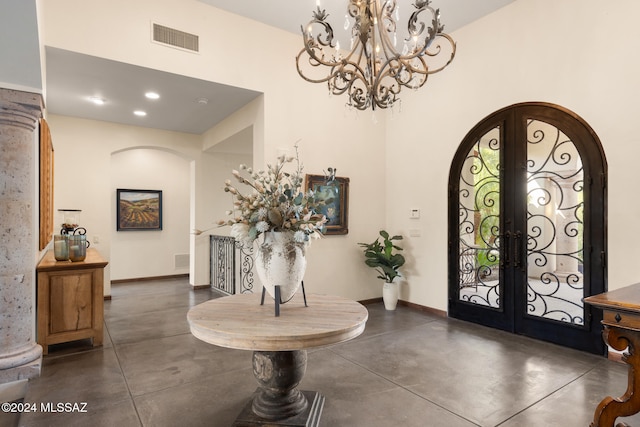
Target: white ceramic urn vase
(280, 261)
(390, 295)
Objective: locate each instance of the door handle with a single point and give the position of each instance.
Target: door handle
(507, 249)
(517, 260)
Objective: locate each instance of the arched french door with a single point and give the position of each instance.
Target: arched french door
(527, 225)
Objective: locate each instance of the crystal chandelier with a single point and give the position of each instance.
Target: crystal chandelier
(375, 68)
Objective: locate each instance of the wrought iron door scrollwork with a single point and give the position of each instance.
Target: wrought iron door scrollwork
(555, 181)
(479, 223)
(528, 189)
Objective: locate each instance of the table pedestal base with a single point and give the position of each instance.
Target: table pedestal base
(277, 401)
(310, 417)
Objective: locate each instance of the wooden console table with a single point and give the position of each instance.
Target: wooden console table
(279, 348)
(621, 320)
(70, 299)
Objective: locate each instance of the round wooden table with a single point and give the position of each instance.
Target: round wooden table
(279, 347)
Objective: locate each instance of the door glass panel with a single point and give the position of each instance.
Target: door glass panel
(479, 223)
(555, 206)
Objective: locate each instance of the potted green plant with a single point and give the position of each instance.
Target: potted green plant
(381, 257)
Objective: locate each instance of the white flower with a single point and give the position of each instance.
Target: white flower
(299, 236)
(240, 231)
(262, 226)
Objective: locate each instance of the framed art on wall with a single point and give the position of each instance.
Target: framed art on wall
(139, 209)
(337, 212)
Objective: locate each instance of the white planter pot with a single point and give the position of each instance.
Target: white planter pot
(390, 295)
(280, 261)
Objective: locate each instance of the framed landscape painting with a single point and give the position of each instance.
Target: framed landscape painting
(337, 212)
(139, 209)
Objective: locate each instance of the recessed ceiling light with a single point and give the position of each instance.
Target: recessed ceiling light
(140, 113)
(152, 95)
(97, 100)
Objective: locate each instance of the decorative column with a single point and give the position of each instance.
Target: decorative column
(20, 355)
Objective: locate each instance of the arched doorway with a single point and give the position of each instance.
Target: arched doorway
(527, 225)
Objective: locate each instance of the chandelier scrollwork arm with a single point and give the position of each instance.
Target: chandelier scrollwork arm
(373, 71)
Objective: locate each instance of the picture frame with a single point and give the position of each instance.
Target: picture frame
(138, 209)
(337, 212)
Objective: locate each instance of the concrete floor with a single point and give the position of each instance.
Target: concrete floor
(407, 369)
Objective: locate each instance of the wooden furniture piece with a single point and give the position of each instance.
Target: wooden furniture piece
(279, 348)
(621, 320)
(46, 185)
(70, 299)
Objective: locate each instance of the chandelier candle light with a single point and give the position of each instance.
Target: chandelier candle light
(373, 71)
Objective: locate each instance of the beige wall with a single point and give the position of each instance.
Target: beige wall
(291, 110)
(86, 176)
(151, 253)
(573, 53)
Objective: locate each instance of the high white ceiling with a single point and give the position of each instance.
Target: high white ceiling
(72, 77)
(289, 15)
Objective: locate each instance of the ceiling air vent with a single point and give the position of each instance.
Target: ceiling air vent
(175, 38)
